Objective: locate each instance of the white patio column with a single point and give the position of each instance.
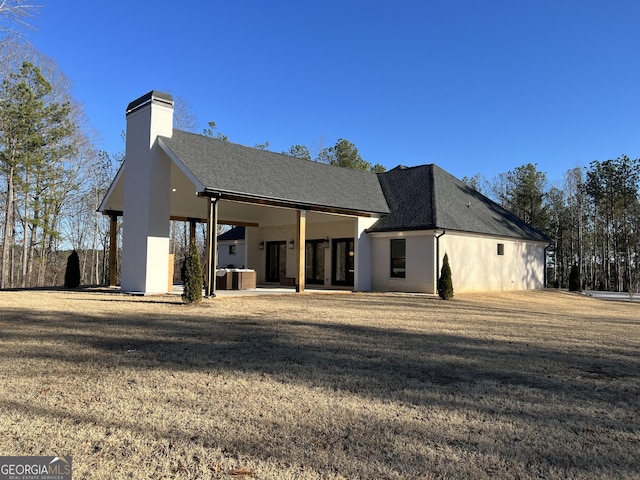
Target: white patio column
(145, 239)
(301, 240)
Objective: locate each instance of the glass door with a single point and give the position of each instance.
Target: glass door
(314, 263)
(343, 261)
(276, 261)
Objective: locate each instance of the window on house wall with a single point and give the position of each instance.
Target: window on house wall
(232, 249)
(501, 249)
(398, 257)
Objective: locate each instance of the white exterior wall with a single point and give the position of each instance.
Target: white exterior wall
(238, 260)
(145, 241)
(254, 257)
(474, 260)
(476, 265)
(420, 262)
(362, 278)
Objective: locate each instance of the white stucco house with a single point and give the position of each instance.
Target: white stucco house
(231, 248)
(308, 222)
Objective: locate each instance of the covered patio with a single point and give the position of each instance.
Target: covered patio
(304, 221)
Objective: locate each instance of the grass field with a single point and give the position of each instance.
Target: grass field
(524, 385)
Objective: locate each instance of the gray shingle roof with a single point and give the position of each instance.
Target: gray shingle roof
(235, 233)
(236, 170)
(415, 198)
(427, 197)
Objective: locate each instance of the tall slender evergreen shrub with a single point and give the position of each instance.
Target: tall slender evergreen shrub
(445, 283)
(72, 272)
(192, 292)
(574, 279)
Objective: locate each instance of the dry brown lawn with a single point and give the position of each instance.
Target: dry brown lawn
(354, 386)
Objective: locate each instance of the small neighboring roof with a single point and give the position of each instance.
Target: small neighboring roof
(426, 197)
(239, 172)
(235, 233)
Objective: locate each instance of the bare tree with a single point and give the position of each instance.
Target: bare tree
(183, 116)
(16, 12)
(54, 178)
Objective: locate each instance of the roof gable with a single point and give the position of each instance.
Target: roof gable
(427, 197)
(234, 170)
(409, 194)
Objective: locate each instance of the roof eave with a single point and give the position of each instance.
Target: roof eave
(427, 228)
(285, 203)
(102, 208)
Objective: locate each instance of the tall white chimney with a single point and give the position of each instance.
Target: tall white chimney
(147, 170)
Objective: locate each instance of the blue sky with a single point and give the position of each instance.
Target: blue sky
(473, 86)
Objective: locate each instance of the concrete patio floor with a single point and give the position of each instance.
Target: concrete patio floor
(267, 290)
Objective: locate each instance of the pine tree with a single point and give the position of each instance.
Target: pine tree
(192, 292)
(37, 142)
(445, 284)
(72, 273)
(345, 154)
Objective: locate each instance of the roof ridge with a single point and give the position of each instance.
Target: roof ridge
(280, 154)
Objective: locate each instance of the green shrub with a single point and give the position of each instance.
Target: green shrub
(72, 272)
(574, 279)
(192, 292)
(445, 284)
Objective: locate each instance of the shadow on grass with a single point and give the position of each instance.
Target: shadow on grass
(367, 360)
(548, 386)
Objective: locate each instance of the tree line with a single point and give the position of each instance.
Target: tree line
(48, 171)
(52, 178)
(592, 218)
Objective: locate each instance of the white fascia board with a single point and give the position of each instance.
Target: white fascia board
(459, 233)
(174, 158)
(489, 236)
(402, 233)
(114, 182)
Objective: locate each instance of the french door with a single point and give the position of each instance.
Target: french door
(343, 261)
(314, 262)
(276, 261)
